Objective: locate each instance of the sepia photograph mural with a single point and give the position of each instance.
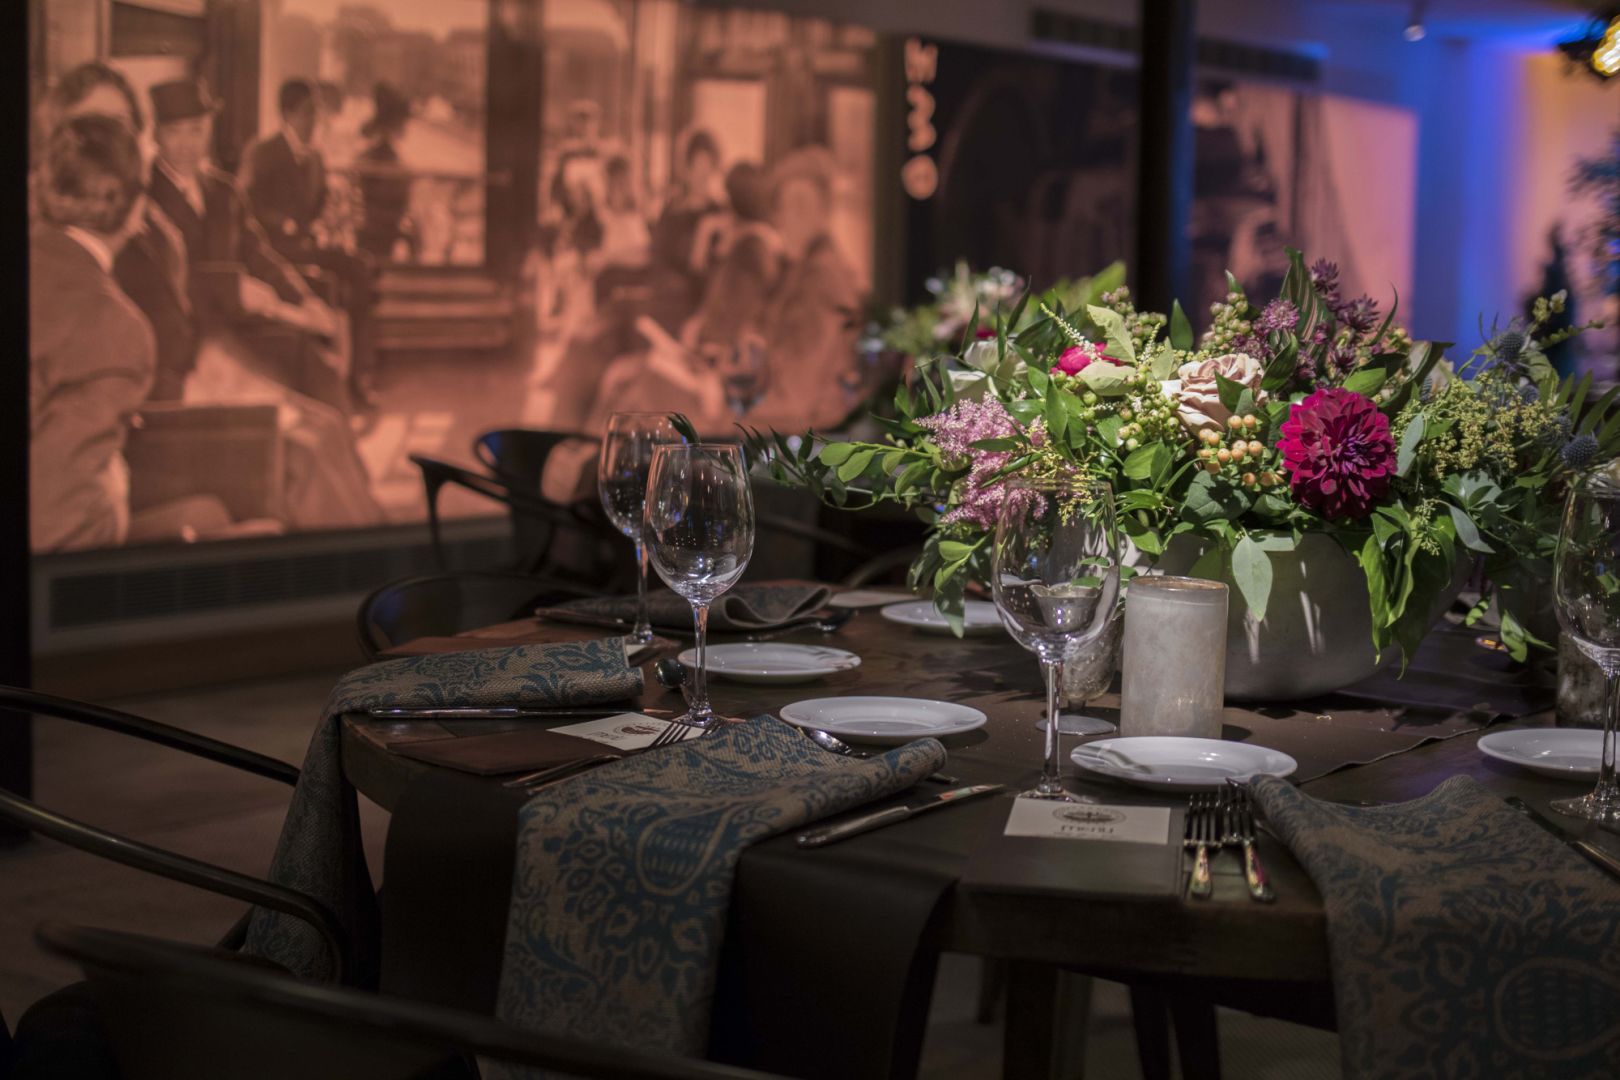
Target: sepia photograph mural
(280, 246)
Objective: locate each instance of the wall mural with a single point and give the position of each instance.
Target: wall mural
(277, 248)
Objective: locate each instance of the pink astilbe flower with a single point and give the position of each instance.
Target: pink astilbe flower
(1339, 453)
(955, 430)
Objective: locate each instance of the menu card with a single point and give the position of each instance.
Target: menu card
(1089, 821)
(1053, 848)
(626, 731)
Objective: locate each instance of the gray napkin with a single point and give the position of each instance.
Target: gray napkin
(763, 605)
(1464, 940)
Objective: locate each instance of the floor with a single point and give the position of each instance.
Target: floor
(224, 817)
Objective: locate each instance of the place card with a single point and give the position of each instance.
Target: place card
(1089, 821)
(626, 731)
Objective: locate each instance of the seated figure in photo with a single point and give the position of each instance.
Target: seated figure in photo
(91, 351)
(284, 179)
(151, 267)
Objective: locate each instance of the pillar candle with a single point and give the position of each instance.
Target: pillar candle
(1174, 657)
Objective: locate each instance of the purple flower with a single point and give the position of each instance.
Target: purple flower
(955, 430)
(1360, 315)
(1280, 316)
(1325, 276)
(1339, 453)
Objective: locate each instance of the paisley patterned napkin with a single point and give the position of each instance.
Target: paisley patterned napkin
(623, 876)
(1464, 940)
(319, 851)
(763, 605)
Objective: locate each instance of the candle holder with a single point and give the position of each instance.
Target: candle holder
(1174, 657)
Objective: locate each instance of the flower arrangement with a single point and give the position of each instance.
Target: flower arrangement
(1307, 413)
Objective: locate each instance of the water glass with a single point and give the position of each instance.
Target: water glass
(1055, 578)
(621, 482)
(699, 529)
(1586, 594)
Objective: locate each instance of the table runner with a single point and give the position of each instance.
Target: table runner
(319, 851)
(623, 876)
(1464, 939)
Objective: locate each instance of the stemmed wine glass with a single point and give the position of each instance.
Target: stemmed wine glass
(1586, 592)
(621, 481)
(699, 527)
(1055, 577)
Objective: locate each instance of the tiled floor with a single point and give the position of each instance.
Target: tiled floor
(225, 817)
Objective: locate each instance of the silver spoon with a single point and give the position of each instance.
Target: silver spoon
(833, 744)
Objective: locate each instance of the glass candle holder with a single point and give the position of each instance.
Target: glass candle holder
(1174, 657)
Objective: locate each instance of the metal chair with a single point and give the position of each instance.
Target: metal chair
(173, 1011)
(67, 1022)
(443, 605)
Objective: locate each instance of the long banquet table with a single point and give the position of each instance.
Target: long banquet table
(1271, 956)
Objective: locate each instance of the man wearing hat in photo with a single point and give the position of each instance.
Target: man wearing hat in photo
(284, 179)
(238, 280)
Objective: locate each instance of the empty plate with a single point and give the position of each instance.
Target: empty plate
(1566, 753)
(883, 719)
(772, 662)
(1174, 763)
(978, 617)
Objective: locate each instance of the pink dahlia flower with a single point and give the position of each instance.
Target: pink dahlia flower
(1339, 453)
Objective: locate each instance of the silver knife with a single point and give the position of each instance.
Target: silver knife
(498, 712)
(867, 822)
(1606, 862)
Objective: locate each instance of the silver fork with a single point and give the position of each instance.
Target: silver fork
(1240, 833)
(674, 733)
(1198, 835)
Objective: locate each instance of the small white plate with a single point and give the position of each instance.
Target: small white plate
(978, 617)
(1174, 763)
(1565, 753)
(883, 719)
(772, 662)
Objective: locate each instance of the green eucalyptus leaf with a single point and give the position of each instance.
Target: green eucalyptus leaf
(1112, 324)
(1181, 331)
(835, 453)
(1230, 391)
(1467, 531)
(1366, 382)
(1251, 569)
(855, 465)
(1410, 441)
(1107, 380)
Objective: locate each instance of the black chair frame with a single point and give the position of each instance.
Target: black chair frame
(108, 955)
(28, 815)
(541, 590)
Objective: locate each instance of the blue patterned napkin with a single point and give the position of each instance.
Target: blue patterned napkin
(762, 605)
(1464, 940)
(319, 851)
(623, 876)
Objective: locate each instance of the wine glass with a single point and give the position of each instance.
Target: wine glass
(1055, 577)
(1088, 671)
(1586, 593)
(621, 481)
(699, 530)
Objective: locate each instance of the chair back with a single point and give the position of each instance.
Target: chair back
(442, 605)
(519, 456)
(174, 1010)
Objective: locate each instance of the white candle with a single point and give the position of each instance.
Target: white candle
(1174, 657)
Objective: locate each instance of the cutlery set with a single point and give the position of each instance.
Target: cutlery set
(1222, 820)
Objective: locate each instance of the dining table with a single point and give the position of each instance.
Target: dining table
(1270, 958)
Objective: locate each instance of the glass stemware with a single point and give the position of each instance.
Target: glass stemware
(621, 481)
(700, 534)
(1586, 593)
(1055, 577)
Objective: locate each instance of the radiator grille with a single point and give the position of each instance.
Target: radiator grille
(99, 597)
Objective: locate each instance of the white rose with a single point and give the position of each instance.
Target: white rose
(1199, 395)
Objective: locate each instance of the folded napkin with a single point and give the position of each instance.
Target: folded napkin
(1464, 939)
(623, 876)
(319, 851)
(506, 751)
(763, 605)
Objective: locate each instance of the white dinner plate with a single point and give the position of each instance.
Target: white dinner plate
(865, 598)
(772, 661)
(978, 617)
(1174, 763)
(883, 719)
(1566, 753)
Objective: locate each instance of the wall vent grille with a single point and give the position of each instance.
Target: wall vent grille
(106, 596)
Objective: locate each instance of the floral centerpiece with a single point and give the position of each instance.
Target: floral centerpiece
(1308, 414)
